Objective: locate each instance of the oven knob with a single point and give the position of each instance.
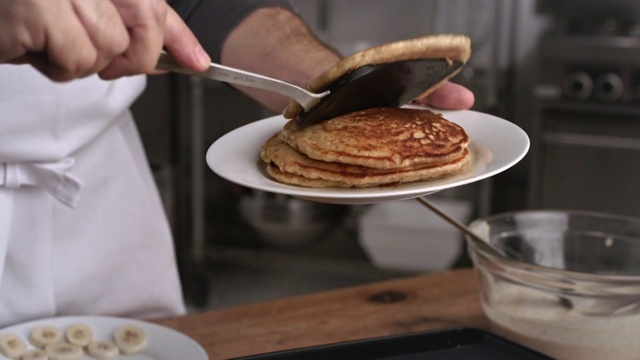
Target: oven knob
(608, 87)
(577, 85)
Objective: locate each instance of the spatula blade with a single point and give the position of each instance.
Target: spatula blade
(384, 85)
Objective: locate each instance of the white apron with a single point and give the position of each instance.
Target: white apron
(82, 227)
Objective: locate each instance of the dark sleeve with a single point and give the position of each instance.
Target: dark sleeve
(212, 20)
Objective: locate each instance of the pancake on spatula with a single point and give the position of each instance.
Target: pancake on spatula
(450, 48)
(372, 147)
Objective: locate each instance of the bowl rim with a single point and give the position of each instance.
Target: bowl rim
(487, 250)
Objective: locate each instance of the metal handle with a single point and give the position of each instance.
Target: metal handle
(240, 77)
(475, 238)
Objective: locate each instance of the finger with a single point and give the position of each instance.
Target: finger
(69, 50)
(13, 15)
(46, 34)
(183, 45)
(20, 60)
(145, 21)
(105, 29)
(449, 96)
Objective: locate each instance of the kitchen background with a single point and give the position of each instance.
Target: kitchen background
(569, 77)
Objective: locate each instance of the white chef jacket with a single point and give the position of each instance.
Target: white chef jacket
(82, 227)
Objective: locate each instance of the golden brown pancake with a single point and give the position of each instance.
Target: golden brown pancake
(287, 165)
(382, 138)
(450, 47)
(373, 147)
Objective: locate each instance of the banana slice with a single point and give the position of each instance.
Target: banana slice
(42, 336)
(103, 349)
(12, 346)
(35, 354)
(64, 351)
(130, 339)
(79, 334)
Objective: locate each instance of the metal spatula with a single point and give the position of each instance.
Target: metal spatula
(390, 84)
(384, 85)
(240, 77)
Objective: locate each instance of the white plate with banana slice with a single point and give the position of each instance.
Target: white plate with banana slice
(97, 337)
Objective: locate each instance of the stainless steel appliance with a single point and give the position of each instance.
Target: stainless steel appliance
(586, 144)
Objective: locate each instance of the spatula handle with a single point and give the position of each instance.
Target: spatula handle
(240, 77)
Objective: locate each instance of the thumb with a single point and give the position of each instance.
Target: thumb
(183, 45)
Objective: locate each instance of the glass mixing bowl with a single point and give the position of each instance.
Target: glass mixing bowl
(565, 283)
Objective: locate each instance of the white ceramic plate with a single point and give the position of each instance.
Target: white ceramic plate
(496, 145)
(164, 343)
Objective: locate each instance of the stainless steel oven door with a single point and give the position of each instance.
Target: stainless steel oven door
(588, 162)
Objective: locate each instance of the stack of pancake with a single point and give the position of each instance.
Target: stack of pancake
(373, 147)
(378, 146)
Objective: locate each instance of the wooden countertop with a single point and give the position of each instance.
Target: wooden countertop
(434, 301)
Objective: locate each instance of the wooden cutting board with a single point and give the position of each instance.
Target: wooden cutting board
(428, 302)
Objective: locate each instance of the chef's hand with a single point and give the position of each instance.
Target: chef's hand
(449, 96)
(68, 39)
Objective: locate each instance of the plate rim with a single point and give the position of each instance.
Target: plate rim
(365, 195)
